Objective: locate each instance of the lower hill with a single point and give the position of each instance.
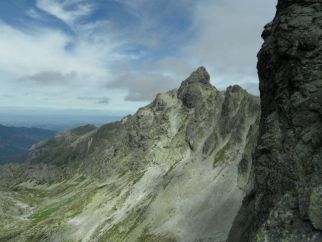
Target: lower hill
(177, 170)
(15, 142)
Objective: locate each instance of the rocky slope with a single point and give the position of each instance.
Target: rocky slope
(287, 202)
(177, 170)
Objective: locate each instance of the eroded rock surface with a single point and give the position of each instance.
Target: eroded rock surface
(288, 166)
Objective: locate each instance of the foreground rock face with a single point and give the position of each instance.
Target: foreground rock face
(288, 167)
(177, 170)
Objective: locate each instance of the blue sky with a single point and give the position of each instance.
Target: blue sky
(115, 55)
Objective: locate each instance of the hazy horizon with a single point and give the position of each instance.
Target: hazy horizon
(56, 119)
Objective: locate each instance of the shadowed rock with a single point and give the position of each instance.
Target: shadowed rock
(191, 89)
(288, 167)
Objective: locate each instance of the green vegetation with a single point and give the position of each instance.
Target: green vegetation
(146, 237)
(222, 154)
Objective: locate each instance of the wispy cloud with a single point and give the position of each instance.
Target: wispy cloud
(33, 13)
(98, 100)
(229, 38)
(67, 11)
(40, 56)
(127, 50)
(50, 77)
(43, 50)
(142, 86)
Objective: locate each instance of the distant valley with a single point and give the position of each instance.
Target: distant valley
(15, 142)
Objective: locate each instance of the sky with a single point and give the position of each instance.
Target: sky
(116, 55)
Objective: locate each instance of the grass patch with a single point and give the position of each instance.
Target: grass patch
(121, 231)
(43, 214)
(147, 237)
(221, 155)
(137, 177)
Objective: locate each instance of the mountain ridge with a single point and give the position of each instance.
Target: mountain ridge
(143, 176)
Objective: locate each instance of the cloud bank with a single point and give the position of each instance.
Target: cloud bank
(117, 55)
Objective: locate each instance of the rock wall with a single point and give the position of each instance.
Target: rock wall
(288, 167)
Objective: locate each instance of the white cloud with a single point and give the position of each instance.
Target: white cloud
(45, 50)
(97, 100)
(142, 86)
(50, 77)
(225, 39)
(59, 9)
(43, 54)
(229, 37)
(33, 13)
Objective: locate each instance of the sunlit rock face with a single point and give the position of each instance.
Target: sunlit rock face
(176, 170)
(288, 166)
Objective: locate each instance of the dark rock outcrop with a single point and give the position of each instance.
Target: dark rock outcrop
(191, 88)
(288, 167)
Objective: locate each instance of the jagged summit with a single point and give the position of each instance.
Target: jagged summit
(235, 88)
(194, 87)
(199, 75)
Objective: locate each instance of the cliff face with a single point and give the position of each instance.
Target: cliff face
(288, 166)
(176, 170)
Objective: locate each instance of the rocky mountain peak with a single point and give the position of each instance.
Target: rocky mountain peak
(235, 89)
(199, 75)
(195, 87)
